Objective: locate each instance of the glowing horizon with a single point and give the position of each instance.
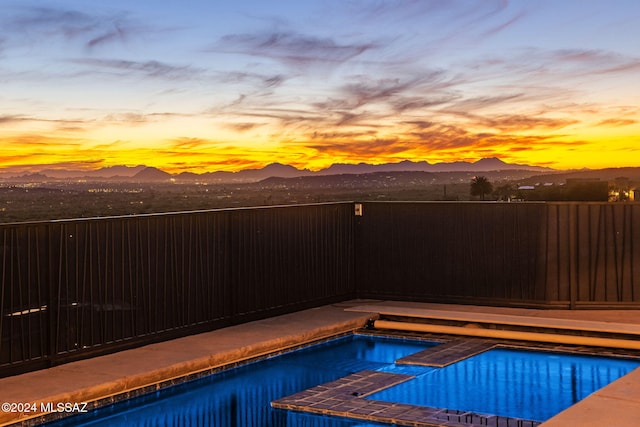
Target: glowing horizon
(225, 87)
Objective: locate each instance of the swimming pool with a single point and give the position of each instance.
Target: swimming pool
(242, 396)
(522, 384)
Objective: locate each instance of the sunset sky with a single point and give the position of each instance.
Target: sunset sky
(207, 85)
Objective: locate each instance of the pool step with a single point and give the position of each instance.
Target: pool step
(506, 326)
(506, 334)
(534, 322)
(448, 353)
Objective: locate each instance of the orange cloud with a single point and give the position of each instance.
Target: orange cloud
(617, 122)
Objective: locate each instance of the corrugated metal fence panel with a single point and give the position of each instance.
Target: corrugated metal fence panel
(613, 242)
(449, 251)
(593, 253)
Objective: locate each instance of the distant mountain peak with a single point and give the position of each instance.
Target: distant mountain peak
(118, 170)
(151, 173)
(490, 161)
(279, 167)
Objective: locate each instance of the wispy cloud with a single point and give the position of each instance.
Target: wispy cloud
(366, 101)
(523, 123)
(595, 61)
(37, 140)
(261, 81)
(291, 48)
(151, 69)
(503, 25)
(617, 122)
(129, 118)
(474, 104)
(368, 91)
(11, 119)
(513, 122)
(400, 11)
(91, 30)
(405, 104)
(376, 147)
(243, 127)
(455, 20)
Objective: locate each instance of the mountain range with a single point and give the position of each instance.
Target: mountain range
(142, 173)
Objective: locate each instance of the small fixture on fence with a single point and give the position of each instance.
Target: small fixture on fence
(358, 209)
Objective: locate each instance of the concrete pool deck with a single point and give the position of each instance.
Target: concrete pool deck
(106, 377)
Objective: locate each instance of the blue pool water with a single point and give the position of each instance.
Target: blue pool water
(514, 383)
(242, 396)
(531, 385)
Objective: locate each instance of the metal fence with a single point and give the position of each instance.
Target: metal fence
(450, 252)
(73, 289)
(590, 254)
(567, 255)
(78, 288)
